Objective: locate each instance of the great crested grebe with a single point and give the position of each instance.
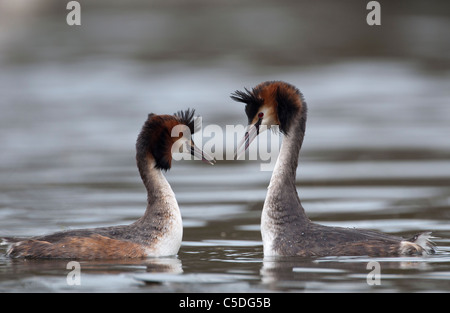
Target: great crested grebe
(158, 233)
(285, 228)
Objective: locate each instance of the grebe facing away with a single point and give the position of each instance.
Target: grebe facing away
(285, 228)
(157, 233)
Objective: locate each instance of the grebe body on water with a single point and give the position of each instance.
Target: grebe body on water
(158, 233)
(285, 228)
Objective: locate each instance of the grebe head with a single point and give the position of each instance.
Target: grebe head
(161, 132)
(270, 103)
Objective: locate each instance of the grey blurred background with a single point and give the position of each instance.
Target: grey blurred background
(72, 95)
(75, 97)
(96, 82)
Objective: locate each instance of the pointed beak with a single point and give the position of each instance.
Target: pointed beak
(199, 153)
(250, 135)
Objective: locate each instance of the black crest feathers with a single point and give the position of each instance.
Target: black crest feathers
(250, 98)
(286, 98)
(156, 138)
(187, 118)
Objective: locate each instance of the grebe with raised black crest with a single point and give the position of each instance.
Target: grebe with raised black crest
(285, 228)
(157, 233)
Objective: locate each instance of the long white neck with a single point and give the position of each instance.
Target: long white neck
(283, 176)
(162, 217)
(160, 196)
(282, 193)
(282, 207)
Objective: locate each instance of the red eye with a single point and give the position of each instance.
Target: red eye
(260, 115)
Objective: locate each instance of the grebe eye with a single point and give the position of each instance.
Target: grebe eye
(260, 115)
